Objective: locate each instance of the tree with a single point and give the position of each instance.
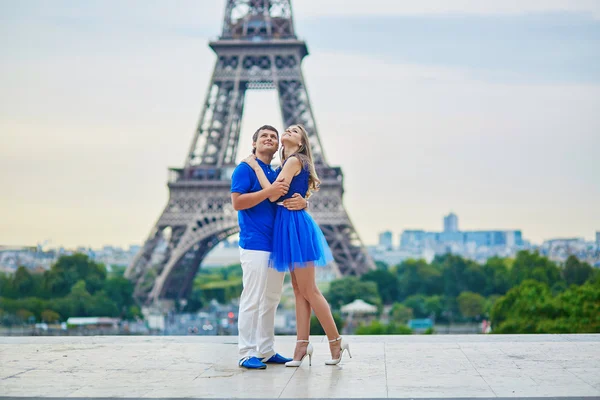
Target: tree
(417, 304)
(418, 277)
(532, 308)
(222, 291)
(50, 316)
(534, 266)
(471, 305)
(435, 306)
(23, 282)
(345, 290)
(576, 272)
(101, 306)
(69, 270)
(475, 278)
(400, 313)
(455, 271)
(7, 288)
(497, 276)
(195, 301)
(387, 284)
(317, 329)
(120, 291)
(377, 328)
(24, 315)
(381, 265)
(79, 299)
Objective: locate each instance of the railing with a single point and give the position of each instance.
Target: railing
(207, 173)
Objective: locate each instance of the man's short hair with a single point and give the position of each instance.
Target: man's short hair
(255, 136)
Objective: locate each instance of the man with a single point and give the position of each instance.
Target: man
(262, 286)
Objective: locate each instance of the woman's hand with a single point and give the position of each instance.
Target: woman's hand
(251, 161)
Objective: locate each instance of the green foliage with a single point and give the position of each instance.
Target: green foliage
(459, 274)
(381, 265)
(400, 313)
(222, 284)
(222, 291)
(117, 271)
(452, 288)
(534, 266)
(69, 270)
(497, 276)
(24, 315)
(345, 290)
(377, 328)
(317, 329)
(50, 316)
(418, 277)
(576, 272)
(387, 284)
(429, 331)
(426, 306)
(532, 308)
(417, 304)
(435, 306)
(74, 287)
(471, 305)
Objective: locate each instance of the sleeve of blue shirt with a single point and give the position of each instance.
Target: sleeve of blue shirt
(241, 180)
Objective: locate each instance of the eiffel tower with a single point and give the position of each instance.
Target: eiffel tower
(258, 49)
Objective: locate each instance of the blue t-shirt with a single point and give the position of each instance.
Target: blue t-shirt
(256, 223)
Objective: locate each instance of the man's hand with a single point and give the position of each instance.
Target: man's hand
(295, 203)
(279, 188)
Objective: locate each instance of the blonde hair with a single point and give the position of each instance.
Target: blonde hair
(304, 154)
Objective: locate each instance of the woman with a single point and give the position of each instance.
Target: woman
(299, 245)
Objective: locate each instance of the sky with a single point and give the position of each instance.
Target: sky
(487, 109)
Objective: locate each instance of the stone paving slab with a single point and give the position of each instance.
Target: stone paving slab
(402, 367)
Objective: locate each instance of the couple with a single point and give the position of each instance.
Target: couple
(278, 235)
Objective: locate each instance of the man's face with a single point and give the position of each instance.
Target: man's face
(267, 142)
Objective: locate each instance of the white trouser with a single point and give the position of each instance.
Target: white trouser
(262, 287)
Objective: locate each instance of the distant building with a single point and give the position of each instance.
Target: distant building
(386, 240)
(476, 245)
(451, 223)
(598, 239)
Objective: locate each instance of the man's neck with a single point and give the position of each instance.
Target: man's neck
(266, 158)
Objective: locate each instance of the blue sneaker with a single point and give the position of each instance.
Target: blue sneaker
(252, 363)
(277, 359)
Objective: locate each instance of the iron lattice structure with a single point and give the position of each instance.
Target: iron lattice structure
(258, 49)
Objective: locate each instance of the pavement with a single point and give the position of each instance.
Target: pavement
(401, 367)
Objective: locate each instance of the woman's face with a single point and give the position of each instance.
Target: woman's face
(292, 137)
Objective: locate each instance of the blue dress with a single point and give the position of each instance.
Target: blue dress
(297, 239)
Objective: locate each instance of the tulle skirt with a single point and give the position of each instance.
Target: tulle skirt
(298, 242)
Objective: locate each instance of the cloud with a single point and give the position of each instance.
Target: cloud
(428, 140)
(317, 8)
(92, 117)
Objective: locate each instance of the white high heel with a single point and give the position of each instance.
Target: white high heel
(343, 346)
(309, 353)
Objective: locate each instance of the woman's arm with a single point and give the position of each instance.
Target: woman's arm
(260, 174)
(290, 169)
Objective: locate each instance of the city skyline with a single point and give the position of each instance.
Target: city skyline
(501, 129)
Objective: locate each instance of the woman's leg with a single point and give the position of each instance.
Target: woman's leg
(307, 286)
(302, 320)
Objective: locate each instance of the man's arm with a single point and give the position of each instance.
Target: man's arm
(243, 201)
(248, 200)
(296, 202)
(241, 183)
